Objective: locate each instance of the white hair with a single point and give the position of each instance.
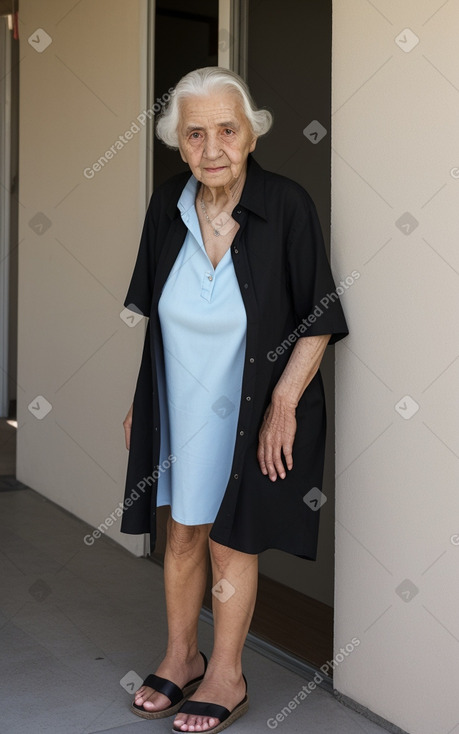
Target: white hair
(202, 82)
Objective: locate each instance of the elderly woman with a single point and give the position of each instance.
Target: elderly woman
(227, 426)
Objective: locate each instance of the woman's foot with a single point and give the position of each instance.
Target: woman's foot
(178, 671)
(222, 689)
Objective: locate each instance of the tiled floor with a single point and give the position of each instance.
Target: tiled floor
(76, 620)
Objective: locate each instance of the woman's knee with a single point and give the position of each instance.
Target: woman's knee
(222, 556)
(185, 539)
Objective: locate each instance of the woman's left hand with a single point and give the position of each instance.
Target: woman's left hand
(276, 437)
(278, 429)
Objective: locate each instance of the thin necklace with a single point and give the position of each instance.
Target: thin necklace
(204, 209)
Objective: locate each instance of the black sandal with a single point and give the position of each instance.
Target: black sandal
(213, 710)
(176, 695)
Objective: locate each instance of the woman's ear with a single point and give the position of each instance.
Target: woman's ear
(253, 145)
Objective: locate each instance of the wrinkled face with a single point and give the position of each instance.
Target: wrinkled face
(215, 137)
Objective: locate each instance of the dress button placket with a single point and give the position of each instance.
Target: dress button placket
(208, 282)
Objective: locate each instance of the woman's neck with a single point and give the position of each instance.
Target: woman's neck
(218, 197)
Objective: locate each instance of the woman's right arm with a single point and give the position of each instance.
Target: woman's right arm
(127, 423)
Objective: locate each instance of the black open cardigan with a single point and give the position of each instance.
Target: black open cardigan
(288, 293)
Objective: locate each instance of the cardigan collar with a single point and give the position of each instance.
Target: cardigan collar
(253, 193)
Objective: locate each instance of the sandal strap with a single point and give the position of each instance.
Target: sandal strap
(198, 708)
(164, 686)
(168, 688)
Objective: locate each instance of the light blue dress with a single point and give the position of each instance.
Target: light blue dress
(203, 326)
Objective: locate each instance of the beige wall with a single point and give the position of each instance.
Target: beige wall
(395, 138)
(77, 96)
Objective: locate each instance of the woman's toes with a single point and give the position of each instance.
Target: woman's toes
(151, 701)
(209, 723)
(180, 722)
(139, 694)
(185, 723)
(190, 723)
(195, 723)
(142, 697)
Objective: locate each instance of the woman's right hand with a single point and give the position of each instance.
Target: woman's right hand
(127, 423)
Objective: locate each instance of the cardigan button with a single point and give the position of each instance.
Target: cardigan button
(236, 251)
(241, 433)
(248, 398)
(251, 360)
(246, 285)
(236, 476)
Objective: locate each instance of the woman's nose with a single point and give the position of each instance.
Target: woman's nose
(211, 147)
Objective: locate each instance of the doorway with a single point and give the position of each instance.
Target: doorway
(286, 59)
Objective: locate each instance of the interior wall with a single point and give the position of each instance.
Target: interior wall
(395, 188)
(296, 96)
(82, 72)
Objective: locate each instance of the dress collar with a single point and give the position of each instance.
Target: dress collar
(188, 195)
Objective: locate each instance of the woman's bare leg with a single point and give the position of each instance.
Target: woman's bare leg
(223, 683)
(185, 574)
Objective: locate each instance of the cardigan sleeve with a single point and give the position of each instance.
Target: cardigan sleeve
(315, 297)
(140, 291)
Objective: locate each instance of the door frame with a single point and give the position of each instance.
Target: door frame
(5, 203)
(232, 54)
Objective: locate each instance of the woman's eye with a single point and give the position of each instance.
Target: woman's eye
(228, 132)
(195, 136)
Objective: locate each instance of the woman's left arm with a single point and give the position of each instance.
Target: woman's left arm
(277, 432)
